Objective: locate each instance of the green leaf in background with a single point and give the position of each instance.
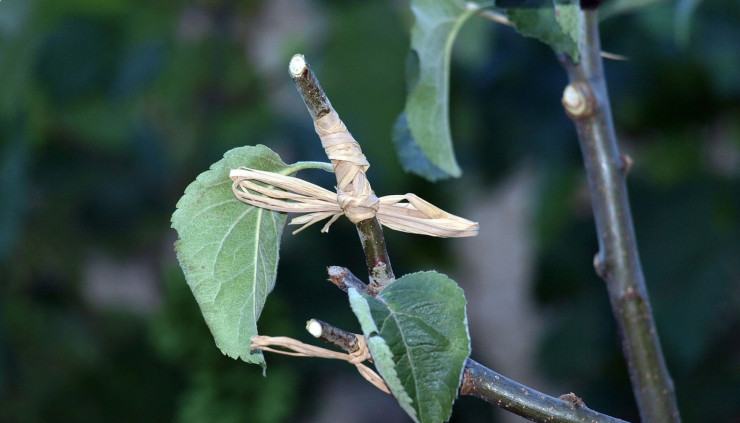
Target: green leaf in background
(555, 25)
(417, 332)
(614, 8)
(15, 165)
(229, 250)
(422, 132)
(684, 12)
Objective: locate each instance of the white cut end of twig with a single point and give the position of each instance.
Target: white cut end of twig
(314, 328)
(297, 65)
(571, 96)
(335, 270)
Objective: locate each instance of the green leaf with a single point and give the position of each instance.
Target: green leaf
(228, 250)
(422, 134)
(417, 332)
(568, 16)
(684, 12)
(412, 158)
(556, 25)
(614, 8)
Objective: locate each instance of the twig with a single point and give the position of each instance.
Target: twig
(308, 86)
(617, 262)
(484, 383)
(376, 255)
(370, 231)
(344, 279)
(333, 335)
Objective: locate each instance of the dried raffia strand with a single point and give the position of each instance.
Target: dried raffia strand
(354, 194)
(405, 213)
(354, 197)
(290, 346)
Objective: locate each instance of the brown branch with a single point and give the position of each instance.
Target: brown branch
(482, 382)
(617, 262)
(370, 231)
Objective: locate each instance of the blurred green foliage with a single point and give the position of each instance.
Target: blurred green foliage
(109, 108)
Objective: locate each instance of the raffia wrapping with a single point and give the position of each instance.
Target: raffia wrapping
(354, 197)
(297, 348)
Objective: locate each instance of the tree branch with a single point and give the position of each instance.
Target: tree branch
(344, 279)
(333, 335)
(370, 231)
(482, 382)
(617, 262)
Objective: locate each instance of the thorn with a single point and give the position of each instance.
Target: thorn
(600, 265)
(614, 56)
(625, 164)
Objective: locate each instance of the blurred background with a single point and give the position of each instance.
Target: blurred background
(110, 108)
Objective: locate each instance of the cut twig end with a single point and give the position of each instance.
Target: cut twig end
(297, 65)
(314, 328)
(344, 279)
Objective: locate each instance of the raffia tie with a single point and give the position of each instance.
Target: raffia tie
(354, 197)
(290, 346)
(354, 194)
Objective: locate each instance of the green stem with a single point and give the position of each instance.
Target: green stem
(617, 261)
(482, 382)
(295, 167)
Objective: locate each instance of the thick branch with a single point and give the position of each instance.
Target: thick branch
(370, 231)
(484, 383)
(617, 262)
